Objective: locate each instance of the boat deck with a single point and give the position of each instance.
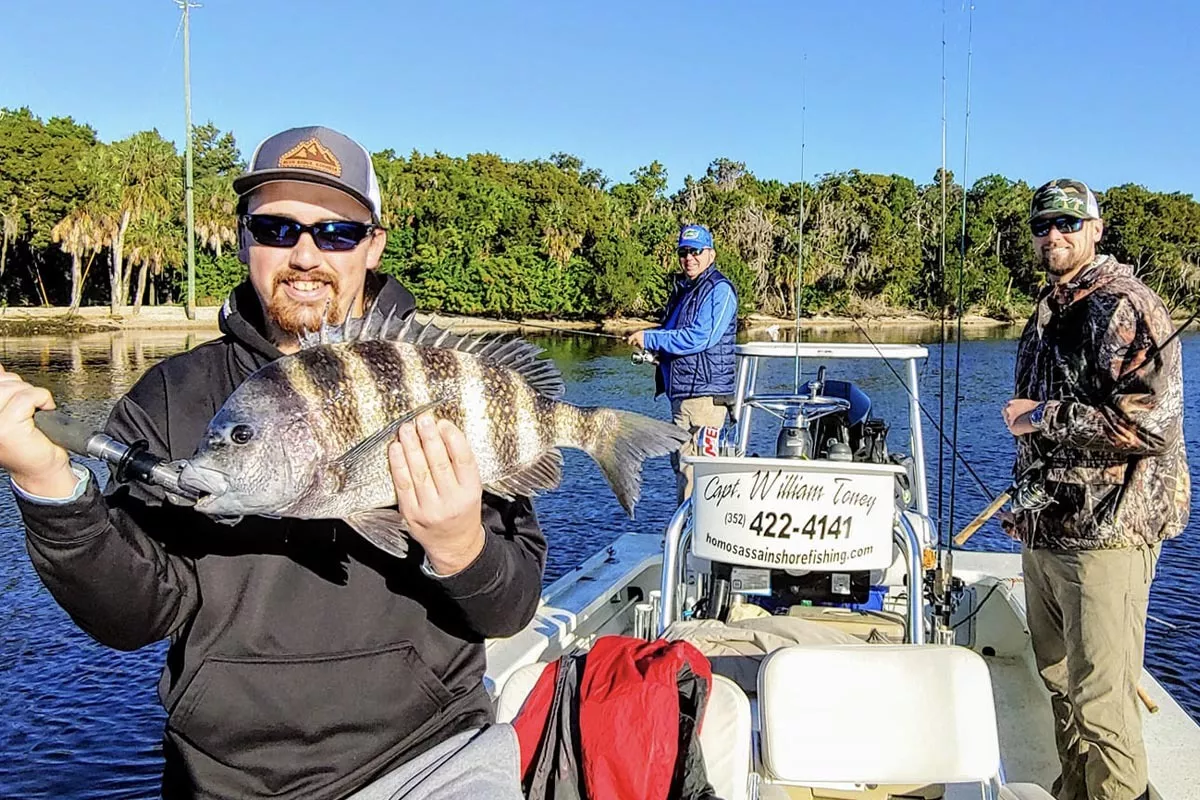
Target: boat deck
(597, 599)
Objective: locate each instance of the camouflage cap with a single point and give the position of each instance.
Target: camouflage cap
(1064, 197)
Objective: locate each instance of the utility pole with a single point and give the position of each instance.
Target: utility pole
(187, 180)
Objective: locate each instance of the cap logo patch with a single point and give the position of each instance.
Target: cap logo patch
(311, 154)
(691, 233)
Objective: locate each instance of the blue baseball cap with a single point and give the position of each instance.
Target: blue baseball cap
(696, 236)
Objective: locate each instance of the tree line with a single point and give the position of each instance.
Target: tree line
(86, 222)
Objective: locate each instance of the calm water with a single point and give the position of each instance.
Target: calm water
(80, 721)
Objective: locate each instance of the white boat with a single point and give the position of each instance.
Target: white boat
(916, 697)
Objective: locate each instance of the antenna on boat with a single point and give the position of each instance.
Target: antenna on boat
(800, 253)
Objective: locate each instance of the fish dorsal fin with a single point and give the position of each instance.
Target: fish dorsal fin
(351, 329)
(511, 352)
(542, 475)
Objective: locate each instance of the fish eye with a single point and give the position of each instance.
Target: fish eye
(241, 434)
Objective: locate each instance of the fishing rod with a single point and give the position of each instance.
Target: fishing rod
(127, 461)
(800, 231)
(558, 329)
(962, 260)
(640, 355)
(944, 439)
(941, 521)
(1031, 496)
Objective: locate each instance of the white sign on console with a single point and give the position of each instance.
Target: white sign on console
(822, 516)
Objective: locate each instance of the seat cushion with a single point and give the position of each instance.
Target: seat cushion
(885, 714)
(515, 690)
(725, 739)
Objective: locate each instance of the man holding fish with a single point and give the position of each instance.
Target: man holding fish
(312, 654)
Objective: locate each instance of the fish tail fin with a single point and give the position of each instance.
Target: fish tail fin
(621, 441)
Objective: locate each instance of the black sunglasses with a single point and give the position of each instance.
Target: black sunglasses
(337, 235)
(1041, 227)
(684, 252)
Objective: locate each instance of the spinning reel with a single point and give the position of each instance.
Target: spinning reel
(1029, 490)
(643, 357)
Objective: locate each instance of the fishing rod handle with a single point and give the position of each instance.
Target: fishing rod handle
(1150, 705)
(66, 432)
(984, 516)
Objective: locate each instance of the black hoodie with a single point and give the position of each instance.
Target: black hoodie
(303, 661)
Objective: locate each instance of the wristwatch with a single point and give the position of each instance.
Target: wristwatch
(1035, 416)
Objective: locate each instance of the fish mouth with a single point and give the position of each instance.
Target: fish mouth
(206, 483)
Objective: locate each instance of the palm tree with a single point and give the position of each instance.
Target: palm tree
(216, 224)
(10, 219)
(133, 179)
(78, 234)
(155, 240)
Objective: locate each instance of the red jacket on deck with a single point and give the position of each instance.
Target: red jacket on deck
(636, 706)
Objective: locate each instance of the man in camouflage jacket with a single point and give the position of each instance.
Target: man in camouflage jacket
(1098, 416)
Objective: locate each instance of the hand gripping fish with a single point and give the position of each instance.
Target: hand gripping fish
(306, 436)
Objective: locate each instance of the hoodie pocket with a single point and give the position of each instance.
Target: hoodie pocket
(271, 717)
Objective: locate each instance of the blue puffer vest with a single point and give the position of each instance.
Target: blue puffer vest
(709, 373)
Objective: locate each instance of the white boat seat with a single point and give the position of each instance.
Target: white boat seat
(724, 730)
(725, 739)
(515, 690)
(888, 714)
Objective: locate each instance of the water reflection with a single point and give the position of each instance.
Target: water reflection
(99, 365)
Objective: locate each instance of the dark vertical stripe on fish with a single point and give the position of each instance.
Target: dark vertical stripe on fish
(387, 371)
(330, 380)
(439, 373)
(292, 398)
(547, 424)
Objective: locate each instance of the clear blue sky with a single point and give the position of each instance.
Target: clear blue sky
(1104, 91)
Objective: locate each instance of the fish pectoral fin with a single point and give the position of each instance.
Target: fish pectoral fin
(385, 528)
(541, 475)
(362, 452)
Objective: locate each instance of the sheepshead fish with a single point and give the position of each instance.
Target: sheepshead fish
(306, 436)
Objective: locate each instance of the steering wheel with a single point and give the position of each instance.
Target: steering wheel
(810, 406)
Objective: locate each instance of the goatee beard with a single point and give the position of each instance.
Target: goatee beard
(290, 317)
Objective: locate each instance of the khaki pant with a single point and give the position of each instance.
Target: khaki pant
(1087, 618)
(689, 414)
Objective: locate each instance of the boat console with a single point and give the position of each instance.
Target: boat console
(829, 525)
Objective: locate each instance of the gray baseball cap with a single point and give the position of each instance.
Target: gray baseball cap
(314, 155)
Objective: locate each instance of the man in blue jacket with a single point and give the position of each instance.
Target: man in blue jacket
(694, 346)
